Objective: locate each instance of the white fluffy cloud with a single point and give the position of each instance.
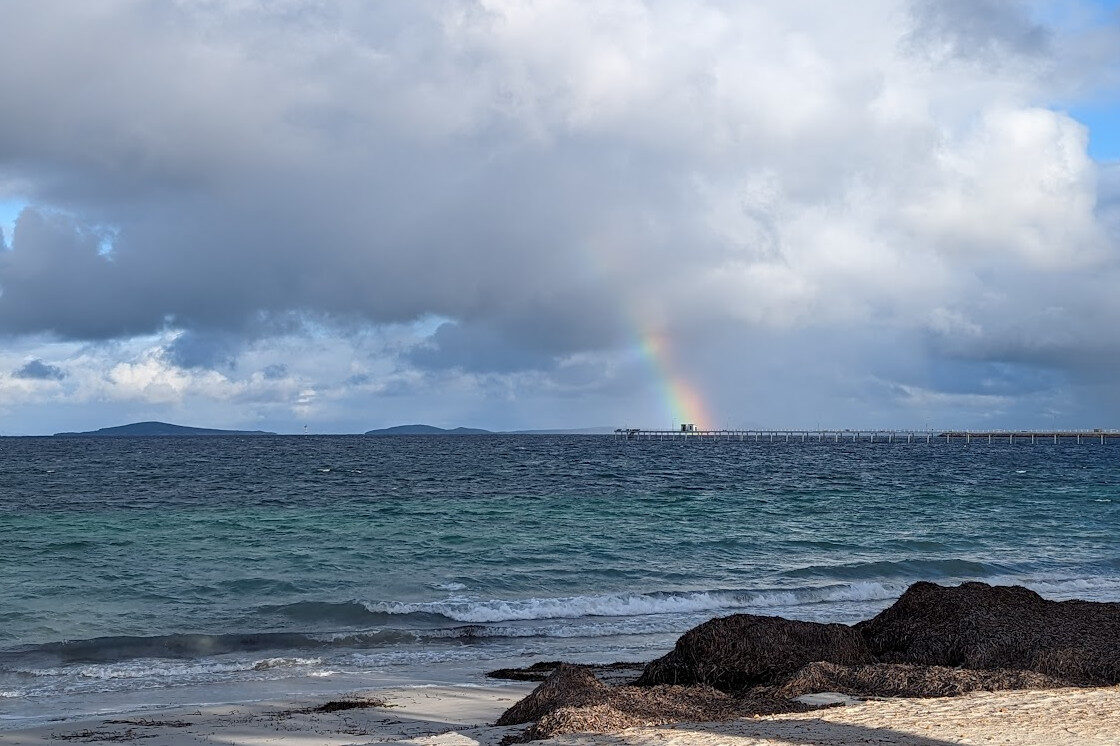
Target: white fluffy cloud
(549, 179)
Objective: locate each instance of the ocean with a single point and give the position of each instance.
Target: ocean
(140, 572)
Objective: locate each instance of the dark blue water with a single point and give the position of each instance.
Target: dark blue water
(143, 571)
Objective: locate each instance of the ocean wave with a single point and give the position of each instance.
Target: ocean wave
(560, 629)
(349, 613)
(267, 663)
(194, 646)
(838, 593)
(367, 639)
(451, 622)
(155, 668)
(1098, 588)
(926, 569)
(101, 649)
(639, 604)
(449, 586)
(569, 607)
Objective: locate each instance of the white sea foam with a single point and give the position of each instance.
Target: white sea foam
(1099, 588)
(155, 668)
(143, 669)
(267, 663)
(871, 594)
(635, 604)
(412, 657)
(567, 629)
(450, 587)
(859, 591)
(571, 607)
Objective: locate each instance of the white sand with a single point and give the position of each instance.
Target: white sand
(416, 716)
(1073, 717)
(459, 716)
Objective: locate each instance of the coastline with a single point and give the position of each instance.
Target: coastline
(741, 680)
(464, 716)
(410, 713)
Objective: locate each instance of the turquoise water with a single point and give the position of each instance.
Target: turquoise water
(146, 571)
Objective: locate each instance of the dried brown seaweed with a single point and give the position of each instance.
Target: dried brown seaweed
(736, 652)
(984, 627)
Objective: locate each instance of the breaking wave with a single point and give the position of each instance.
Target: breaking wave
(572, 607)
(638, 604)
(385, 625)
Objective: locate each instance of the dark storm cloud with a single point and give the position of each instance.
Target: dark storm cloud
(199, 350)
(37, 370)
(242, 178)
(55, 280)
(464, 239)
(477, 350)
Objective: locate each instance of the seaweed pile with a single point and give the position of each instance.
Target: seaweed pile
(986, 627)
(935, 641)
(737, 652)
(572, 700)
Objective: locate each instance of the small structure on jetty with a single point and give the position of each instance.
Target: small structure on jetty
(689, 432)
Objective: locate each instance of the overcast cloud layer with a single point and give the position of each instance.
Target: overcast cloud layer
(355, 214)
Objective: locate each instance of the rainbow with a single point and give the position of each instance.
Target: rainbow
(683, 401)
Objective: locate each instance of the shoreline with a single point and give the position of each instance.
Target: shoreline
(942, 665)
(464, 716)
(408, 713)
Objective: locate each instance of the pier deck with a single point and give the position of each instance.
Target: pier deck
(875, 436)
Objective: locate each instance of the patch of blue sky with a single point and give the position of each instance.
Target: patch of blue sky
(10, 209)
(1103, 120)
(1099, 111)
(9, 212)
(1074, 13)
(1108, 6)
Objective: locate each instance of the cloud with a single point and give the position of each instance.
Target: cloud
(552, 181)
(275, 371)
(194, 350)
(986, 31)
(37, 370)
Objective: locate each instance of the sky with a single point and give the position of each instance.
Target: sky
(336, 216)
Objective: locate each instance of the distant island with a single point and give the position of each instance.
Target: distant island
(164, 429)
(428, 430)
(152, 429)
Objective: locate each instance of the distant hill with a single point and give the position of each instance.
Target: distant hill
(157, 429)
(427, 430)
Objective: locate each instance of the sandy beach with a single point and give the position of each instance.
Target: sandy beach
(444, 715)
(463, 716)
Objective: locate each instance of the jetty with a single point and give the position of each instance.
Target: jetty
(691, 433)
